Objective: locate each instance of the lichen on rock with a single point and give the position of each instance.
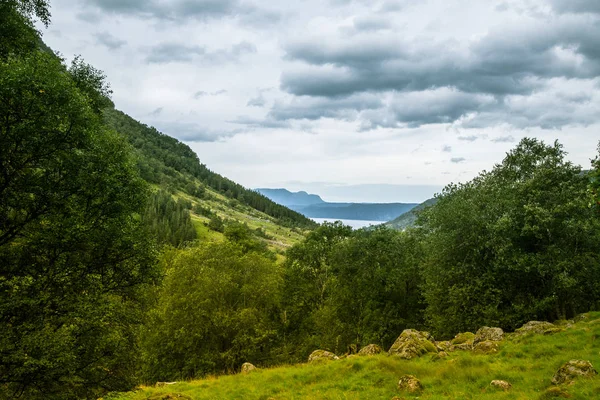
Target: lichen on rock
(412, 343)
(573, 369)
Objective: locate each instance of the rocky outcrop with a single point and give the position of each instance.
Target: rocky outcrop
(573, 369)
(488, 334)
(486, 347)
(370, 350)
(502, 385)
(321, 355)
(537, 327)
(247, 368)
(412, 343)
(409, 384)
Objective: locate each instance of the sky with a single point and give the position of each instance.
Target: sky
(354, 100)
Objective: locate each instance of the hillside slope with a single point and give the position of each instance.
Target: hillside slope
(167, 163)
(527, 362)
(409, 218)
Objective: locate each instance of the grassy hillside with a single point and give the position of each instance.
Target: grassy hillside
(167, 163)
(527, 362)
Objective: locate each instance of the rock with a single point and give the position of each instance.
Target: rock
(370, 350)
(412, 343)
(463, 338)
(539, 327)
(581, 317)
(486, 347)
(163, 384)
(487, 333)
(247, 368)
(501, 385)
(410, 384)
(170, 396)
(322, 355)
(573, 369)
(443, 345)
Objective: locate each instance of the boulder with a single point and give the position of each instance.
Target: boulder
(443, 345)
(322, 355)
(463, 338)
(247, 368)
(486, 347)
(412, 343)
(163, 384)
(573, 369)
(410, 384)
(487, 333)
(370, 350)
(537, 327)
(503, 385)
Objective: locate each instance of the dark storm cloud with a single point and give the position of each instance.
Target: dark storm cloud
(500, 63)
(156, 112)
(576, 6)
(482, 74)
(457, 160)
(176, 52)
(169, 10)
(108, 40)
(314, 108)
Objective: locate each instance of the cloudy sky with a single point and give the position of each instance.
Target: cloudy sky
(356, 100)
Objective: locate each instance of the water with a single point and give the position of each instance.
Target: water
(354, 223)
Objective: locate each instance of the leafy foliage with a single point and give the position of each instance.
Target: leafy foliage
(216, 309)
(515, 244)
(73, 259)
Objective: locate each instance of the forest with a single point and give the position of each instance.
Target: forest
(105, 285)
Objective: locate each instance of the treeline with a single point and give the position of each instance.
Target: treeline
(166, 161)
(515, 244)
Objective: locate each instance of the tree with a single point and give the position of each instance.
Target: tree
(18, 35)
(514, 244)
(73, 259)
(217, 309)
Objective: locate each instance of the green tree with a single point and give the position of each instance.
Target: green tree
(377, 288)
(514, 244)
(216, 309)
(73, 259)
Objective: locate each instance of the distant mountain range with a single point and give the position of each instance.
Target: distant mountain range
(312, 206)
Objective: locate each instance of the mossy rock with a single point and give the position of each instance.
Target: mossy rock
(486, 333)
(486, 347)
(573, 369)
(410, 384)
(412, 343)
(463, 338)
(538, 327)
(370, 349)
(321, 355)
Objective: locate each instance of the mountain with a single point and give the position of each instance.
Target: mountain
(409, 218)
(312, 206)
(288, 199)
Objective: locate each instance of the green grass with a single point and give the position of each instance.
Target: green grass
(528, 363)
